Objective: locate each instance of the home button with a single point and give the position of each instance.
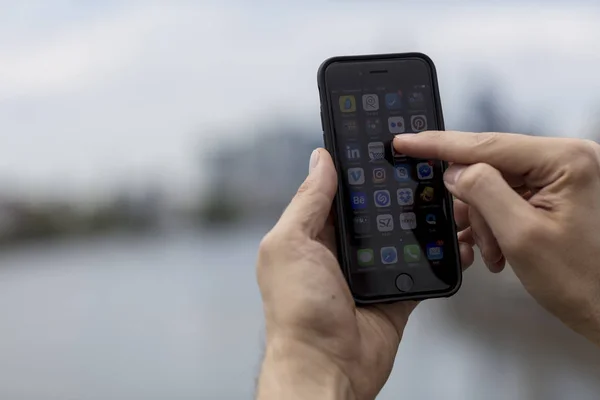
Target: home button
(404, 282)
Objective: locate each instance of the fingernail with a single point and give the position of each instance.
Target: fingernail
(406, 135)
(314, 160)
(493, 267)
(453, 173)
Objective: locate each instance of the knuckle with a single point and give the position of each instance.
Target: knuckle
(485, 139)
(276, 240)
(583, 158)
(266, 246)
(305, 187)
(433, 135)
(267, 254)
(476, 174)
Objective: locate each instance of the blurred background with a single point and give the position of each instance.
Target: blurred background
(146, 146)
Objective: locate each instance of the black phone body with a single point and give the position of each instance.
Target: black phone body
(395, 228)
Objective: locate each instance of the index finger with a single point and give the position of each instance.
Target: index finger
(523, 155)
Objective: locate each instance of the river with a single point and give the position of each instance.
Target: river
(178, 316)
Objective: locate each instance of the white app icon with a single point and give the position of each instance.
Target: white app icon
(385, 223)
(405, 197)
(408, 221)
(370, 102)
(396, 124)
(418, 123)
(376, 151)
(382, 198)
(356, 176)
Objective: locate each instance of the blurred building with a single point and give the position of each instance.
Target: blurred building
(7, 217)
(261, 176)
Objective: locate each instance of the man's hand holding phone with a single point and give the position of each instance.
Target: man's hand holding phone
(527, 199)
(319, 344)
(534, 202)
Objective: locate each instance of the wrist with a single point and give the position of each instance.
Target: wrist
(295, 370)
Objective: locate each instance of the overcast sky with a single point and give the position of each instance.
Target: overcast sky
(93, 93)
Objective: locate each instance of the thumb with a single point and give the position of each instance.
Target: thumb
(483, 188)
(310, 207)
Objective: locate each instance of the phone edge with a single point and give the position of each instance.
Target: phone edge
(327, 136)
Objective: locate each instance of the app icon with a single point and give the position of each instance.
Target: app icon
(431, 219)
(427, 194)
(356, 176)
(373, 126)
(365, 257)
(389, 255)
(362, 224)
(412, 253)
(396, 124)
(424, 171)
(382, 198)
(359, 200)
(405, 197)
(418, 123)
(378, 175)
(435, 251)
(352, 152)
(385, 223)
(349, 127)
(370, 102)
(408, 221)
(393, 101)
(416, 100)
(402, 172)
(347, 104)
(376, 151)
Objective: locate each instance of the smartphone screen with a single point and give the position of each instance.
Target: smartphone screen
(394, 212)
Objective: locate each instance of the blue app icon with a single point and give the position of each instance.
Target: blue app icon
(382, 198)
(424, 171)
(358, 200)
(393, 101)
(402, 172)
(431, 219)
(435, 251)
(389, 255)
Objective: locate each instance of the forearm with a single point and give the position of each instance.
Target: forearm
(297, 371)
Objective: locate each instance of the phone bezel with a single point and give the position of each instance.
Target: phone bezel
(341, 232)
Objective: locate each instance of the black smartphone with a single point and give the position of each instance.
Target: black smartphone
(395, 225)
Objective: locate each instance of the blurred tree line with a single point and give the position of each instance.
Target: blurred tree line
(27, 222)
(251, 183)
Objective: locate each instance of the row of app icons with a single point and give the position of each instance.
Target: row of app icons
(402, 172)
(375, 150)
(412, 254)
(383, 199)
(393, 101)
(385, 222)
(396, 124)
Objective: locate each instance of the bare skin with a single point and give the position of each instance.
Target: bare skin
(525, 200)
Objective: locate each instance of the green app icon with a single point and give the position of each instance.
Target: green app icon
(366, 257)
(412, 253)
